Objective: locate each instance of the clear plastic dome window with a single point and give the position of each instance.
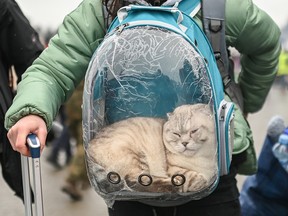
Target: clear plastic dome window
(148, 107)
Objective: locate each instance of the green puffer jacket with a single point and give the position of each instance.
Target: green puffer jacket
(51, 79)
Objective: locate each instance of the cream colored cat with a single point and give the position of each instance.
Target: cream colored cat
(184, 145)
(190, 142)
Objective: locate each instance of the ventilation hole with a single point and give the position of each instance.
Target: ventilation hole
(113, 177)
(145, 180)
(206, 61)
(196, 43)
(178, 179)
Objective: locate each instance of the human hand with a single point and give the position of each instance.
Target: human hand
(17, 135)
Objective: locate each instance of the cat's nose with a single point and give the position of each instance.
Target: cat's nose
(184, 143)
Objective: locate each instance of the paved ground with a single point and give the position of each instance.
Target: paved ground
(58, 204)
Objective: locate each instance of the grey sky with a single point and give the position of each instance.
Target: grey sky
(277, 9)
(47, 13)
(50, 13)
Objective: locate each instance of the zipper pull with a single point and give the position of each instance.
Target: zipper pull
(222, 112)
(120, 28)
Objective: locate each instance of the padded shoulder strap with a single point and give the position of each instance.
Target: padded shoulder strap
(213, 14)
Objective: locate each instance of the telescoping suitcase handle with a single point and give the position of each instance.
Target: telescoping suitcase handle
(34, 146)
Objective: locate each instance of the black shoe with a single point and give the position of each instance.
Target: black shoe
(72, 191)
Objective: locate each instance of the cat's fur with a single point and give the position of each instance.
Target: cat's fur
(190, 142)
(184, 144)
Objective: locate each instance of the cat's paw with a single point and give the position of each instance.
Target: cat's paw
(198, 184)
(147, 183)
(163, 186)
(194, 183)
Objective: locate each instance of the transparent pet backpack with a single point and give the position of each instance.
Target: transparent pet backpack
(156, 126)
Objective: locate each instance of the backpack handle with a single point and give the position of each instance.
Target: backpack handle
(123, 12)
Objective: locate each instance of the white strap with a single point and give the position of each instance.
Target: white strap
(123, 12)
(195, 11)
(171, 2)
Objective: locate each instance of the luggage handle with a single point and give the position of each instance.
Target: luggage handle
(34, 147)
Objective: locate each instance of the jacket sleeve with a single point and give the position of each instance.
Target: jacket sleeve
(256, 36)
(54, 75)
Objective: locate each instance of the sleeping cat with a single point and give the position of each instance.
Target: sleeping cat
(190, 143)
(148, 152)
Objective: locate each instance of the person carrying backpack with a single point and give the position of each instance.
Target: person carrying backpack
(62, 66)
(19, 47)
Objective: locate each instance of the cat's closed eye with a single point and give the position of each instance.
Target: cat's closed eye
(177, 134)
(194, 131)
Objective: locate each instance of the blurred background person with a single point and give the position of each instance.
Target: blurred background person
(266, 192)
(77, 178)
(19, 46)
(61, 141)
(282, 75)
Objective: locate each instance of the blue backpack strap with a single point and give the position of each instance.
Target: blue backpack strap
(213, 18)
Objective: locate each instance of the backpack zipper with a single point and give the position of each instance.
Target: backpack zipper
(120, 28)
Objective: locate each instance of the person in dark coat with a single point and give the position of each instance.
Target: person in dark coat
(19, 46)
(266, 192)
